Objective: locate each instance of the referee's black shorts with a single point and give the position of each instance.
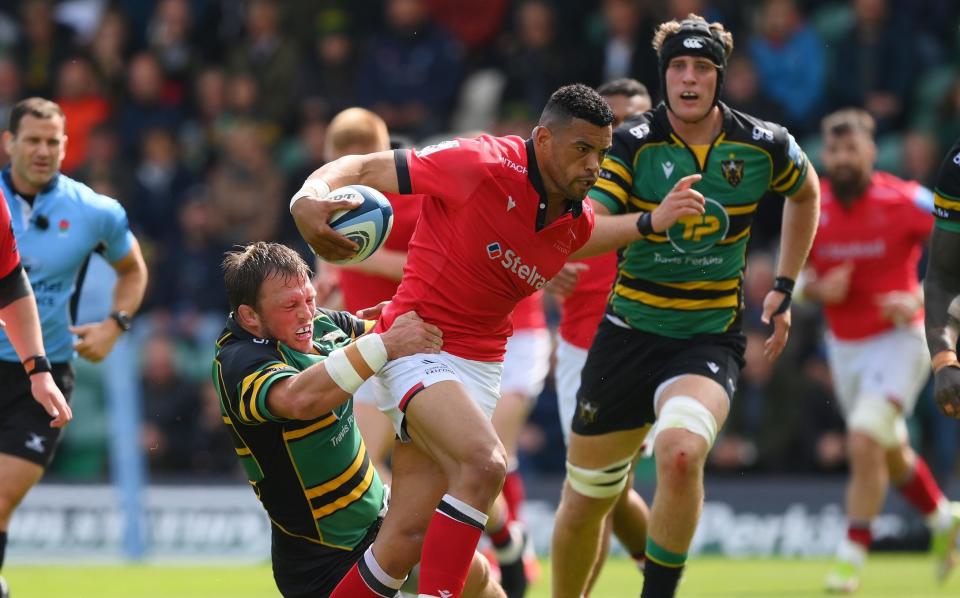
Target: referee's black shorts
(625, 366)
(305, 569)
(25, 430)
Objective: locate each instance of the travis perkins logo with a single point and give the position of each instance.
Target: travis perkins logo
(512, 262)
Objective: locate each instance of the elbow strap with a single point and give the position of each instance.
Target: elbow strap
(350, 366)
(14, 286)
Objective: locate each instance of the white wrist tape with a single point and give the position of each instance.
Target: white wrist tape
(373, 351)
(317, 188)
(370, 349)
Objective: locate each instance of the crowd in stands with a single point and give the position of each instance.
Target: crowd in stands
(202, 117)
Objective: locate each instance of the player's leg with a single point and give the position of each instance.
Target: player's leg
(629, 518)
(446, 424)
(597, 471)
(480, 583)
(909, 473)
(375, 427)
(418, 485)
(691, 410)
(27, 442)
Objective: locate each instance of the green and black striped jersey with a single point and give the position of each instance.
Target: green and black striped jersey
(946, 198)
(314, 478)
(687, 281)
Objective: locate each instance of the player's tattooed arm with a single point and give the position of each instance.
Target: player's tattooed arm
(942, 305)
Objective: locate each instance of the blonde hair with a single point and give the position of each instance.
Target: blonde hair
(356, 131)
(669, 28)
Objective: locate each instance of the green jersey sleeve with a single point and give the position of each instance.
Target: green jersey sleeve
(790, 164)
(247, 369)
(946, 192)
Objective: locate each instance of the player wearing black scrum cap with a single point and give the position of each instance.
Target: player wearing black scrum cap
(670, 348)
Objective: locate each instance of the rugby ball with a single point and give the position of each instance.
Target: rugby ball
(367, 225)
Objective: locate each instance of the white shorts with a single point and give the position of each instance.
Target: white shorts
(401, 379)
(366, 394)
(526, 362)
(570, 360)
(893, 366)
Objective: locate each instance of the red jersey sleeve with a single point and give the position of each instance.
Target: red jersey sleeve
(9, 256)
(920, 218)
(450, 170)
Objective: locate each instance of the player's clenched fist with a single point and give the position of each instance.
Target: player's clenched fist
(946, 390)
(410, 335)
(681, 201)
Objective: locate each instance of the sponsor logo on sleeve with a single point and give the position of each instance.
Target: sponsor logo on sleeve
(437, 147)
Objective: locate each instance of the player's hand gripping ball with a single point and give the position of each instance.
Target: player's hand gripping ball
(368, 225)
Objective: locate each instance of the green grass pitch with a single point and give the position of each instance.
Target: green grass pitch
(903, 576)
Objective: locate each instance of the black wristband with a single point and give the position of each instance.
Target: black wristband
(645, 224)
(784, 285)
(37, 364)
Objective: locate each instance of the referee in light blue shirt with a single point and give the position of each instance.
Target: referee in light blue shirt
(58, 222)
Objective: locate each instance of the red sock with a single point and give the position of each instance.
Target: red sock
(501, 537)
(860, 534)
(448, 547)
(514, 493)
(366, 580)
(920, 489)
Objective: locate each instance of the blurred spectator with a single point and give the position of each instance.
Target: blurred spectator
(790, 63)
(872, 66)
(200, 133)
(476, 28)
(536, 63)
(161, 181)
(169, 34)
(246, 193)
(312, 142)
(182, 277)
(42, 47)
(105, 163)
(212, 451)
(170, 404)
(623, 48)
(741, 91)
(84, 107)
(327, 79)
(9, 95)
(270, 58)
(921, 157)
(947, 117)
(145, 106)
(411, 72)
(108, 49)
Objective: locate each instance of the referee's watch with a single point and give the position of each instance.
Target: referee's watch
(36, 364)
(122, 319)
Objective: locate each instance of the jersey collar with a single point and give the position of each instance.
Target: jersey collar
(536, 180)
(8, 181)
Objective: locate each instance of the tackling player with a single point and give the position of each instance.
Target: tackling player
(502, 216)
(670, 348)
(584, 301)
(285, 373)
(863, 268)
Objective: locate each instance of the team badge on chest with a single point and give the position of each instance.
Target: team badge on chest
(732, 171)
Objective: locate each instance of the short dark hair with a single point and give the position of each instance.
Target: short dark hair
(35, 107)
(245, 269)
(848, 120)
(576, 101)
(623, 87)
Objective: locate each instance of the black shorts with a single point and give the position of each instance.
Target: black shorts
(305, 569)
(625, 366)
(25, 430)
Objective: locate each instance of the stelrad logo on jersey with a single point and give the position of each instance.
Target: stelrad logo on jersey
(513, 263)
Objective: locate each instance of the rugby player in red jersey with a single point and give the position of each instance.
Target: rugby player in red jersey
(502, 216)
(863, 268)
(584, 286)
